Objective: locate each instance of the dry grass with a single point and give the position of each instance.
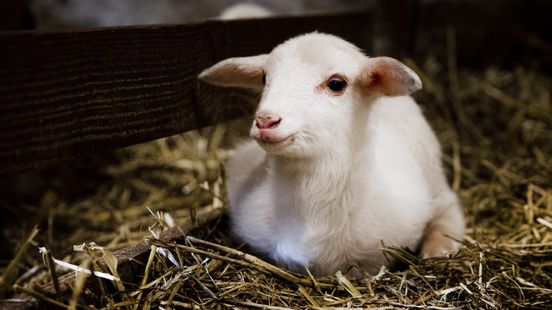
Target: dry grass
(496, 131)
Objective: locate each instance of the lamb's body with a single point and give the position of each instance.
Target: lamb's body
(331, 214)
(337, 174)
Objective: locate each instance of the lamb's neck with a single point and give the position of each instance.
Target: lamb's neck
(321, 186)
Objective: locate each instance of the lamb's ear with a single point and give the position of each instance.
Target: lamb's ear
(244, 72)
(389, 77)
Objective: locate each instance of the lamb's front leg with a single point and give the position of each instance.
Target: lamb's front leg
(446, 226)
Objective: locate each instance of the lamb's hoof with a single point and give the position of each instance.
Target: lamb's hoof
(439, 246)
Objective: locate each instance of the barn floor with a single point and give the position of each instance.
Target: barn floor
(496, 131)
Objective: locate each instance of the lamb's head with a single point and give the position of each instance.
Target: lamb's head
(313, 89)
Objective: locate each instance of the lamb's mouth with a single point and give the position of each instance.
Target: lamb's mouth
(274, 145)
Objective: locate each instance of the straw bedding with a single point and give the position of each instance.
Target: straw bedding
(496, 130)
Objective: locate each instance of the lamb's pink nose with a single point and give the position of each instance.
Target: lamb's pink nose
(264, 121)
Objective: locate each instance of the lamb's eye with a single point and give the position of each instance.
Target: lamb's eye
(264, 78)
(337, 84)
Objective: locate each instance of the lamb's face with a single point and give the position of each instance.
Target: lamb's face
(313, 88)
(310, 95)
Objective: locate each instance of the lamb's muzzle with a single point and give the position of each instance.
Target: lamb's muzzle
(267, 120)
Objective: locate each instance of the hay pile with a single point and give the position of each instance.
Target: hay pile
(496, 131)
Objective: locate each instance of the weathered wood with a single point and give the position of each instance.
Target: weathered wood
(69, 93)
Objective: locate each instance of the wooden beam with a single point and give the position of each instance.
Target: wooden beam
(70, 93)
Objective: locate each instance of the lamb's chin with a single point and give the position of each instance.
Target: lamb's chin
(276, 147)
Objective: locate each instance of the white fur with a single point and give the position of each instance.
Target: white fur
(352, 171)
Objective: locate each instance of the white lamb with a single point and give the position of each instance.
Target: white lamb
(343, 159)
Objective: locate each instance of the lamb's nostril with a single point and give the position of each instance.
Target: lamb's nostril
(267, 122)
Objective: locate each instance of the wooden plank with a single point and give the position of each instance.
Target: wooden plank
(70, 93)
